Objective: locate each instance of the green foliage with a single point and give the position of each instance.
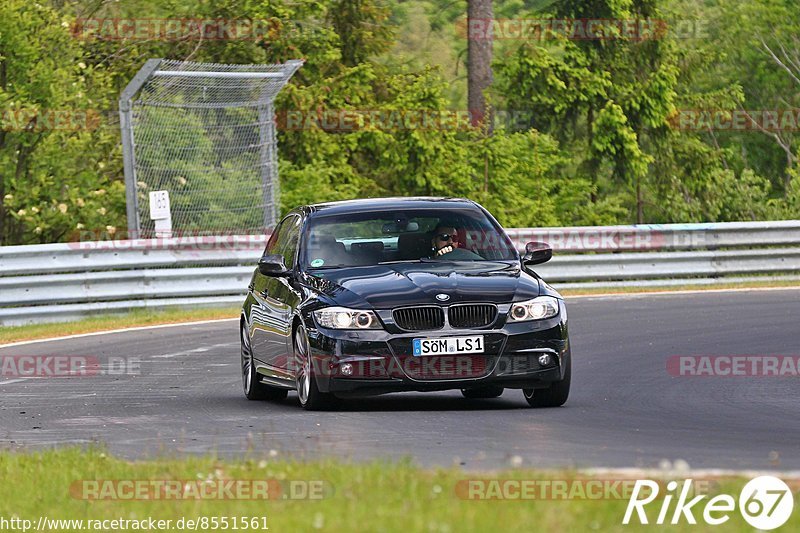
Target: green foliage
(58, 159)
(360, 25)
(615, 139)
(525, 189)
(593, 141)
(610, 105)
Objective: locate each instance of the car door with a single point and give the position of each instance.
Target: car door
(286, 297)
(271, 314)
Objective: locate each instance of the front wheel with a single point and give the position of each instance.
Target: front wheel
(251, 382)
(554, 396)
(309, 394)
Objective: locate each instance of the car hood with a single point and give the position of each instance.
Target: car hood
(399, 284)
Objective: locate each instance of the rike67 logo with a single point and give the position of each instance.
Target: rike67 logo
(765, 503)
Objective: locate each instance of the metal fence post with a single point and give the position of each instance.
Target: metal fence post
(128, 147)
(266, 140)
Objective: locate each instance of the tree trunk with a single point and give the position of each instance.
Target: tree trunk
(2, 209)
(479, 62)
(3, 83)
(639, 202)
(592, 160)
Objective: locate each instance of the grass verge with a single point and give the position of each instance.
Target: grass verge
(139, 317)
(375, 496)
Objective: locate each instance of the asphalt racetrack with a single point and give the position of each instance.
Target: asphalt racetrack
(625, 410)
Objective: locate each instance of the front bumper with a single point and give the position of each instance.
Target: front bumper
(361, 363)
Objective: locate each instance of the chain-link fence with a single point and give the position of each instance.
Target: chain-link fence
(206, 134)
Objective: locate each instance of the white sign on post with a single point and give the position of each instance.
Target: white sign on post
(160, 213)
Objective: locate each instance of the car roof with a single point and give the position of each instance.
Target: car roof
(382, 204)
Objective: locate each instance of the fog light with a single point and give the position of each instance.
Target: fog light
(544, 360)
(347, 369)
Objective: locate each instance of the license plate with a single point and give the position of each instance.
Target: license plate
(448, 345)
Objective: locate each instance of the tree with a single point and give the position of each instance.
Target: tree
(609, 102)
(362, 29)
(754, 43)
(479, 34)
(56, 175)
(787, 58)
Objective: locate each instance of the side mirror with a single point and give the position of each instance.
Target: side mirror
(537, 253)
(272, 265)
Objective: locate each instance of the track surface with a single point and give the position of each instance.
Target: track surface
(625, 409)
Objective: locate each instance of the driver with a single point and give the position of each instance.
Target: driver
(444, 240)
(445, 244)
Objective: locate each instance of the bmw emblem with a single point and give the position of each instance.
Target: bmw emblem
(442, 297)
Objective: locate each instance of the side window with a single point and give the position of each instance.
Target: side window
(290, 240)
(272, 243)
(284, 239)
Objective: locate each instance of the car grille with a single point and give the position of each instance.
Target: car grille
(419, 318)
(472, 315)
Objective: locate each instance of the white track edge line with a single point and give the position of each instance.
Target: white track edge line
(120, 330)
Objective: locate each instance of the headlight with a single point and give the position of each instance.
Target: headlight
(536, 309)
(343, 318)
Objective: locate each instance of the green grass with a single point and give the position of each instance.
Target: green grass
(140, 317)
(374, 496)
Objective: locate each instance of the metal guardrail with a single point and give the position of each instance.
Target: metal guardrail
(54, 282)
(662, 237)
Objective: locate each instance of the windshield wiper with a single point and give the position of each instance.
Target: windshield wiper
(422, 260)
(328, 267)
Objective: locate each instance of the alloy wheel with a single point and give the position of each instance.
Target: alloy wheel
(302, 361)
(247, 360)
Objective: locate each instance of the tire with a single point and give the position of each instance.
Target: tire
(554, 396)
(251, 382)
(491, 391)
(311, 399)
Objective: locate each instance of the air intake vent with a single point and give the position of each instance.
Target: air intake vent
(419, 318)
(472, 315)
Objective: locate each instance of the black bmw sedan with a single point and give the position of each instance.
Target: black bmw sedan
(373, 296)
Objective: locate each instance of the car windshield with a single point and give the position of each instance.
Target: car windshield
(371, 238)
